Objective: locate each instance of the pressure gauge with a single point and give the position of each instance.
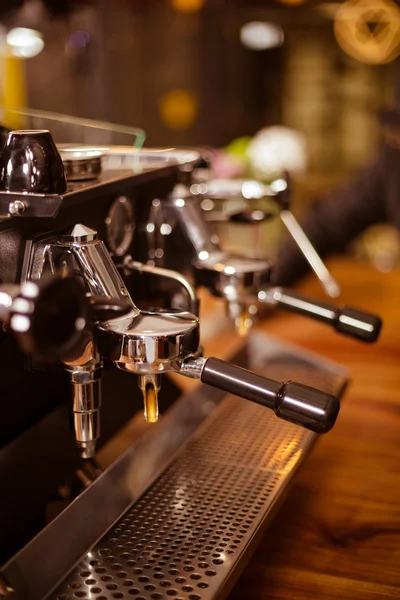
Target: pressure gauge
(120, 226)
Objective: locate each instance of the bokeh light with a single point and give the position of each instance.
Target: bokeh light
(178, 109)
(188, 6)
(258, 35)
(79, 39)
(369, 30)
(24, 43)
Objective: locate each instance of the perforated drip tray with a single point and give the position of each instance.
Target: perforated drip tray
(188, 533)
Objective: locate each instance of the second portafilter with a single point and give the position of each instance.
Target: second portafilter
(244, 280)
(346, 320)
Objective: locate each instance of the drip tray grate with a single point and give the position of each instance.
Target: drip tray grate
(180, 511)
(182, 539)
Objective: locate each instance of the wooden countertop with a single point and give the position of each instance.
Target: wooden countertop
(337, 536)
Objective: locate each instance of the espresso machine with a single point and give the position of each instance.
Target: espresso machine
(93, 328)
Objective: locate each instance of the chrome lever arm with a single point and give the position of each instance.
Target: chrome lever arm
(283, 199)
(329, 283)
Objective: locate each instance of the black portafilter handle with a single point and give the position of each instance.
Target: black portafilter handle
(347, 320)
(251, 217)
(50, 317)
(300, 404)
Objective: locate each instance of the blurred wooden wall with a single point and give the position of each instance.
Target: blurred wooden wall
(138, 53)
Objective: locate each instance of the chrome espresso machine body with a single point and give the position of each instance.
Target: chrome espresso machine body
(177, 513)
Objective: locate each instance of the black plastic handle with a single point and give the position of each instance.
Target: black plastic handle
(294, 402)
(347, 320)
(252, 217)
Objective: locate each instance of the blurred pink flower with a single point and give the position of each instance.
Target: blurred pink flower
(225, 166)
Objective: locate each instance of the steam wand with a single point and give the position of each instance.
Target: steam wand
(130, 265)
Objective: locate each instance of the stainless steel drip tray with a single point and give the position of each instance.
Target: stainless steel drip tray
(176, 515)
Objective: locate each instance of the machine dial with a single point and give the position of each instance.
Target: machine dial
(120, 226)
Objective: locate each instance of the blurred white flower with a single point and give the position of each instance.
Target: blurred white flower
(277, 149)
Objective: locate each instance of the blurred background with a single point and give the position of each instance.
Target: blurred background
(207, 72)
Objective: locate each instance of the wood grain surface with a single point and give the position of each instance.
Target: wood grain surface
(337, 536)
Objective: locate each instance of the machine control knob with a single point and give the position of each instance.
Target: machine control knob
(48, 317)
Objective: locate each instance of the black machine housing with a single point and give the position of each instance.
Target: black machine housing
(37, 449)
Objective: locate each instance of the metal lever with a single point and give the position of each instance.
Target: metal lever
(293, 402)
(283, 198)
(350, 321)
(328, 282)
